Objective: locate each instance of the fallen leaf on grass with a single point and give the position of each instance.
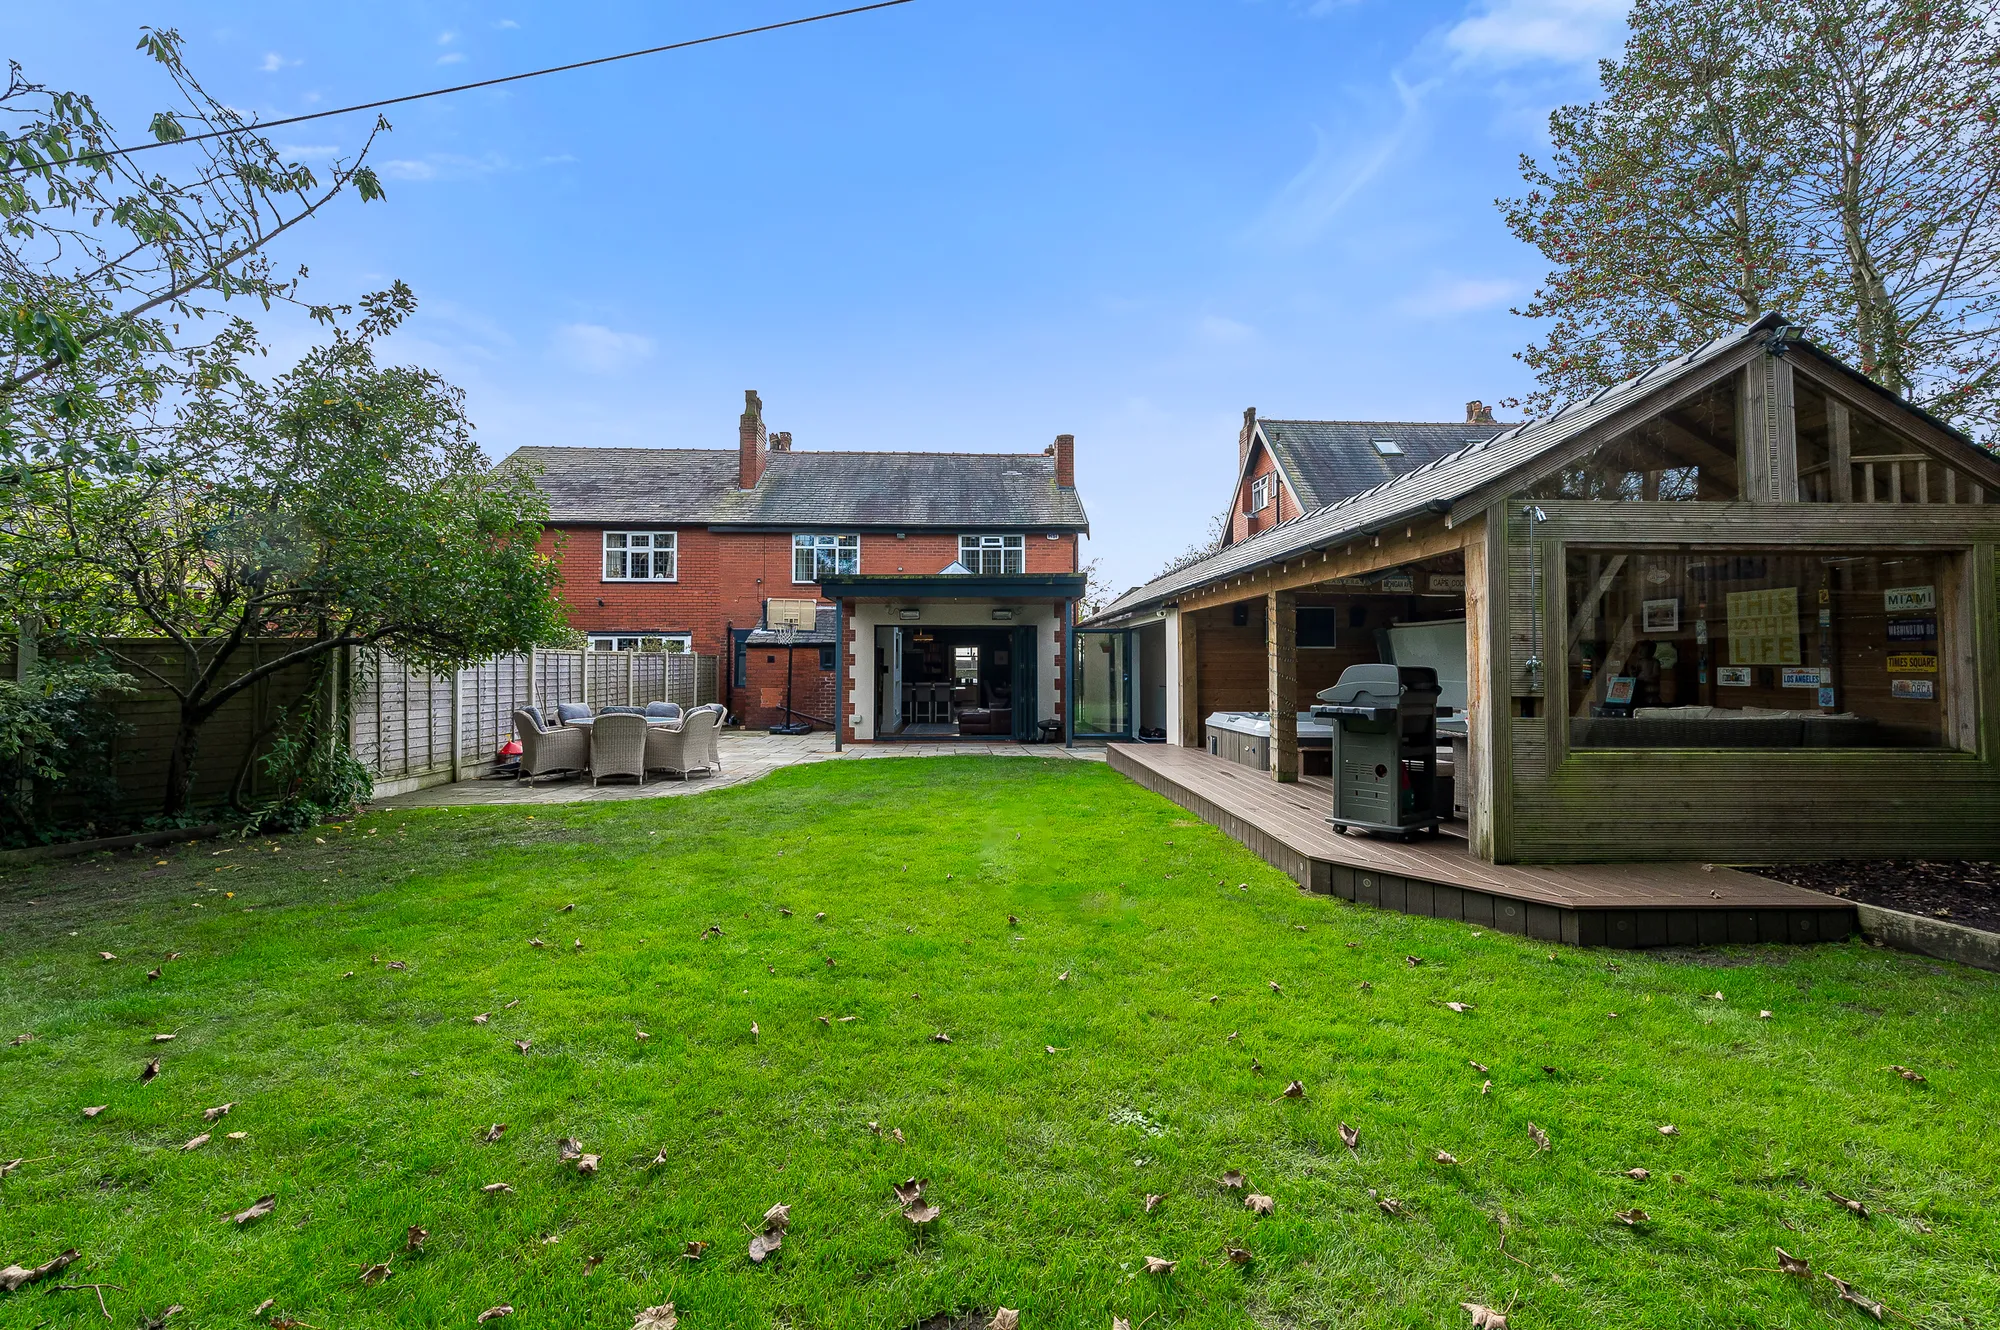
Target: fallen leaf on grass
(566, 909)
(778, 1217)
(413, 1241)
(568, 1148)
(1479, 1067)
(151, 975)
(236, 1136)
(1367, 987)
(1550, 1071)
(1389, 1205)
(523, 1045)
(1232, 1180)
(496, 1188)
(1460, 1007)
(693, 1250)
(1793, 1265)
(348, 975)
(262, 1307)
(511, 1005)
(1156, 1265)
(1716, 996)
(922, 1214)
(1259, 1204)
(1153, 1201)
(1004, 1318)
(1670, 1130)
(1860, 1211)
(1349, 1137)
(536, 942)
(1274, 985)
(1238, 1255)
(495, 1313)
(1012, 921)
(219, 1111)
(105, 955)
(395, 965)
(587, 1164)
(1120, 1323)
(1486, 1088)
(164, 1038)
(1913, 1077)
(16, 1277)
(763, 1244)
(155, 1322)
(1763, 1015)
(821, 916)
(196, 1143)
(784, 912)
(940, 1038)
(1638, 1174)
(897, 1132)
(1631, 1218)
(262, 1206)
(493, 1133)
(1296, 1090)
(20, 1039)
(1866, 1304)
(482, 1018)
(909, 1192)
(1484, 1317)
(94, 1110)
(375, 1274)
(662, 1317)
(1063, 977)
(1538, 1136)
(1445, 1157)
(1413, 961)
(149, 1071)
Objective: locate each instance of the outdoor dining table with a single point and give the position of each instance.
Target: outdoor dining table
(589, 721)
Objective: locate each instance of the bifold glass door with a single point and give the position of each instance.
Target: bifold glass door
(1101, 698)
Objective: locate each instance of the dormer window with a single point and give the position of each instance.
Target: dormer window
(1388, 448)
(1260, 493)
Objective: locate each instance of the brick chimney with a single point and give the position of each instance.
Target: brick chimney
(1064, 451)
(1243, 437)
(750, 441)
(1478, 413)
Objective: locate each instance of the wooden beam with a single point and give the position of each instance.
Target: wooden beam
(1190, 668)
(1299, 571)
(1840, 450)
(1281, 633)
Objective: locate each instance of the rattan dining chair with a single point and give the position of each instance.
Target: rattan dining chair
(618, 747)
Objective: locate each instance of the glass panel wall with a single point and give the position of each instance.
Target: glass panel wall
(1103, 702)
(1686, 453)
(1883, 467)
(1755, 650)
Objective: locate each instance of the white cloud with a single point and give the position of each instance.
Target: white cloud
(1519, 32)
(1219, 331)
(1321, 8)
(273, 62)
(506, 23)
(307, 152)
(451, 57)
(1443, 296)
(403, 168)
(596, 349)
(447, 38)
(1340, 168)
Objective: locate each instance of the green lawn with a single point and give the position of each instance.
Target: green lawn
(363, 1099)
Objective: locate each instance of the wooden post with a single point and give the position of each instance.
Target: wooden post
(1281, 635)
(631, 674)
(1190, 668)
(1839, 450)
(457, 723)
(532, 700)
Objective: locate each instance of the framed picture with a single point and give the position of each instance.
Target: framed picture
(1660, 616)
(1618, 692)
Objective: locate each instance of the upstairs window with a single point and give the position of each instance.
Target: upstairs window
(993, 554)
(640, 556)
(814, 557)
(1260, 493)
(1685, 454)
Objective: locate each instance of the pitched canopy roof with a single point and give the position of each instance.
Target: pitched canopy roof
(1439, 485)
(697, 487)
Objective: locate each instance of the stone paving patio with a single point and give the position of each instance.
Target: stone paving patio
(746, 755)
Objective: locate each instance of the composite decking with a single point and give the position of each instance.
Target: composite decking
(1616, 905)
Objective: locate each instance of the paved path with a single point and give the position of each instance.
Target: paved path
(745, 757)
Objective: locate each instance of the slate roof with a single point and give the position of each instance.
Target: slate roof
(1434, 486)
(697, 487)
(823, 633)
(1327, 460)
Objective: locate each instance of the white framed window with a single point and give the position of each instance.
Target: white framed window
(814, 557)
(668, 642)
(993, 554)
(1260, 493)
(641, 556)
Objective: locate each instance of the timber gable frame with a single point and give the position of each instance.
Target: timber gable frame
(1540, 798)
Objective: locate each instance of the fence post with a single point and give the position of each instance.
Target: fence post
(457, 723)
(532, 653)
(631, 669)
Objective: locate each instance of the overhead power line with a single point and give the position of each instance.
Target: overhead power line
(261, 126)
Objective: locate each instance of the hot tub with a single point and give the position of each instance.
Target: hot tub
(1244, 737)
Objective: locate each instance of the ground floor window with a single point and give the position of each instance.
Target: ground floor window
(1756, 650)
(669, 642)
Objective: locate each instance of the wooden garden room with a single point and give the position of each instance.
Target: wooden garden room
(1738, 609)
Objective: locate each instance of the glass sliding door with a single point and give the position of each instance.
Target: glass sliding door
(1101, 700)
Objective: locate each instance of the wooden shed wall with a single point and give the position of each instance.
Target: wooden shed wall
(1739, 805)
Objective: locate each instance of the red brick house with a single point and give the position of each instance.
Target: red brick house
(1287, 468)
(951, 576)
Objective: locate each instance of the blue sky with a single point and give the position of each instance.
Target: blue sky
(958, 224)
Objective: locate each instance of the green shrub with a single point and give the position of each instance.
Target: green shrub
(56, 732)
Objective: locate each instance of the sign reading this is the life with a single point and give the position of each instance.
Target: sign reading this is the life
(1764, 627)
